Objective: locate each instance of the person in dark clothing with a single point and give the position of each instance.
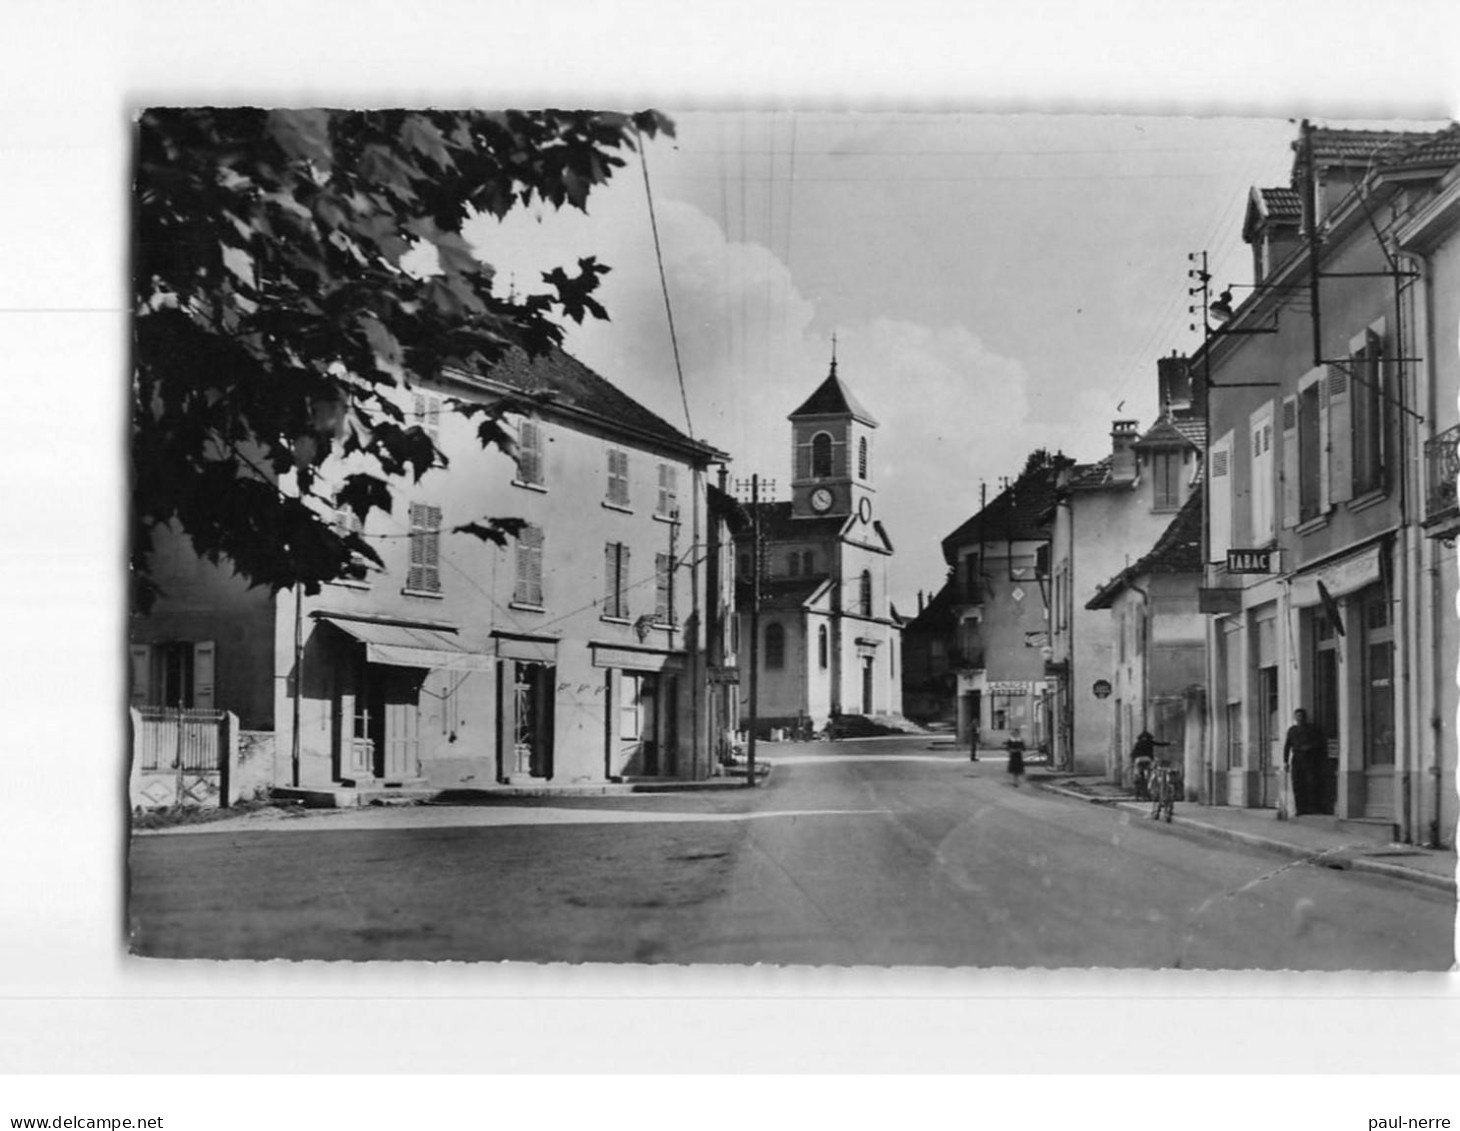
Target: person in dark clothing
(973, 739)
(1305, 756)
(1143, 760)
(1015, 747)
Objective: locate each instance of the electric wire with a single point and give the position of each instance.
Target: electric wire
(664, 287)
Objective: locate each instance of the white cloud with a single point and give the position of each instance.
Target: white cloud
(951, 410)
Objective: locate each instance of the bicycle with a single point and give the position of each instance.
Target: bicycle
(1165, 783)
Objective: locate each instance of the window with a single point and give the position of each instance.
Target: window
(823, 647)
(862, 458)
(615, 584)
(970, 578)
(426, 414)
(1263, 483)
(663, 589)
(347, 522)
(1220, 523)
(618, 477)
(529, 453)
(175, 674)
(864, 596)
(1166, 474)
(424, 574)
(1370, 413)
(821, 455)
(808, 563)
(1310, 453)
(793, 564)
(668, 505)
(775, 647)
(634, 696)
(528, 590)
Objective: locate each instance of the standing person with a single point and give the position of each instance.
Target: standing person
(1143, 760)
(1305, 756)
(973, 738)
(1015, 747)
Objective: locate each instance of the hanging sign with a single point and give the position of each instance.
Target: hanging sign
(1250, 561)
(1101, 689)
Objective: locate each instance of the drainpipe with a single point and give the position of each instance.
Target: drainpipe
(1428, 641)
(1145, 644)
(697, 640)
(298, 679)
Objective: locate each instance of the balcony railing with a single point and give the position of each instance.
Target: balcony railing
(1442, 463)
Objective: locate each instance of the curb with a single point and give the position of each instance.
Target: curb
(1268, 844)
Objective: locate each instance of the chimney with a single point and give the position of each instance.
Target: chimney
(920, 602)
(1123, 434)
(1173, 381)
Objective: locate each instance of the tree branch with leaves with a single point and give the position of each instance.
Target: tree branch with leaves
(277, 317)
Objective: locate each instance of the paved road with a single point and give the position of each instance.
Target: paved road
(866, 853)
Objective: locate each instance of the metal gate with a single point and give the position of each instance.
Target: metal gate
(180, 756)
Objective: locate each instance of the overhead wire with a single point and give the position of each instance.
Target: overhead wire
(664, 287)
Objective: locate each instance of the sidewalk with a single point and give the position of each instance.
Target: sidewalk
(1298, 838)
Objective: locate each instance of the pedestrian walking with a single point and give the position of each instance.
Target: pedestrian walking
(973, 739)
(1015, 747)
(1305, 757)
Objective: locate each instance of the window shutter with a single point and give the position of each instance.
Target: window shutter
(610, 579)
(433, 548)
(415, 575)
(529, 453)
(1340, 436)
(1325, 479)
(1221, 498)
(661, 588)
(141, 674)
(623, 581)
(535, 579)
(1290, 462)
(528, 589)
(203, 668)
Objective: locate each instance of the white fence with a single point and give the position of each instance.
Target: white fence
(183, 756)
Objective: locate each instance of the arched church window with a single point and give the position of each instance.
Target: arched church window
(821, 455)
(775, 646)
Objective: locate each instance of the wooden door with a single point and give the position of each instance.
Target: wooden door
(1378, 701)
(399, 749)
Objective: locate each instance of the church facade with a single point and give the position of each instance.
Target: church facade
(814, 579)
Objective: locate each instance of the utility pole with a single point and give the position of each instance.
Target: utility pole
(754, 627)
(1310, 209)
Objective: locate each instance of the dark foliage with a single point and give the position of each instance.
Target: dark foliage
(275, 327)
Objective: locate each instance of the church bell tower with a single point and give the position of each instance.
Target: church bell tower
(831, 437)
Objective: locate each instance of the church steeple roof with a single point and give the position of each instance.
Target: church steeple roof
(833, 398)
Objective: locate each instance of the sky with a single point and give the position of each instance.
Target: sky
(994, 283)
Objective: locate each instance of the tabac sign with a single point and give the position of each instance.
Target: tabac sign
(1250, 561)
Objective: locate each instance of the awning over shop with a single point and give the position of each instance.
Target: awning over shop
(1339, 578)
(635, 659)
(408, 646)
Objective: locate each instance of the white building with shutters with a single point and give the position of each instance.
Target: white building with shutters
(1105, 516)
(1324, 400)
(573, 654)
